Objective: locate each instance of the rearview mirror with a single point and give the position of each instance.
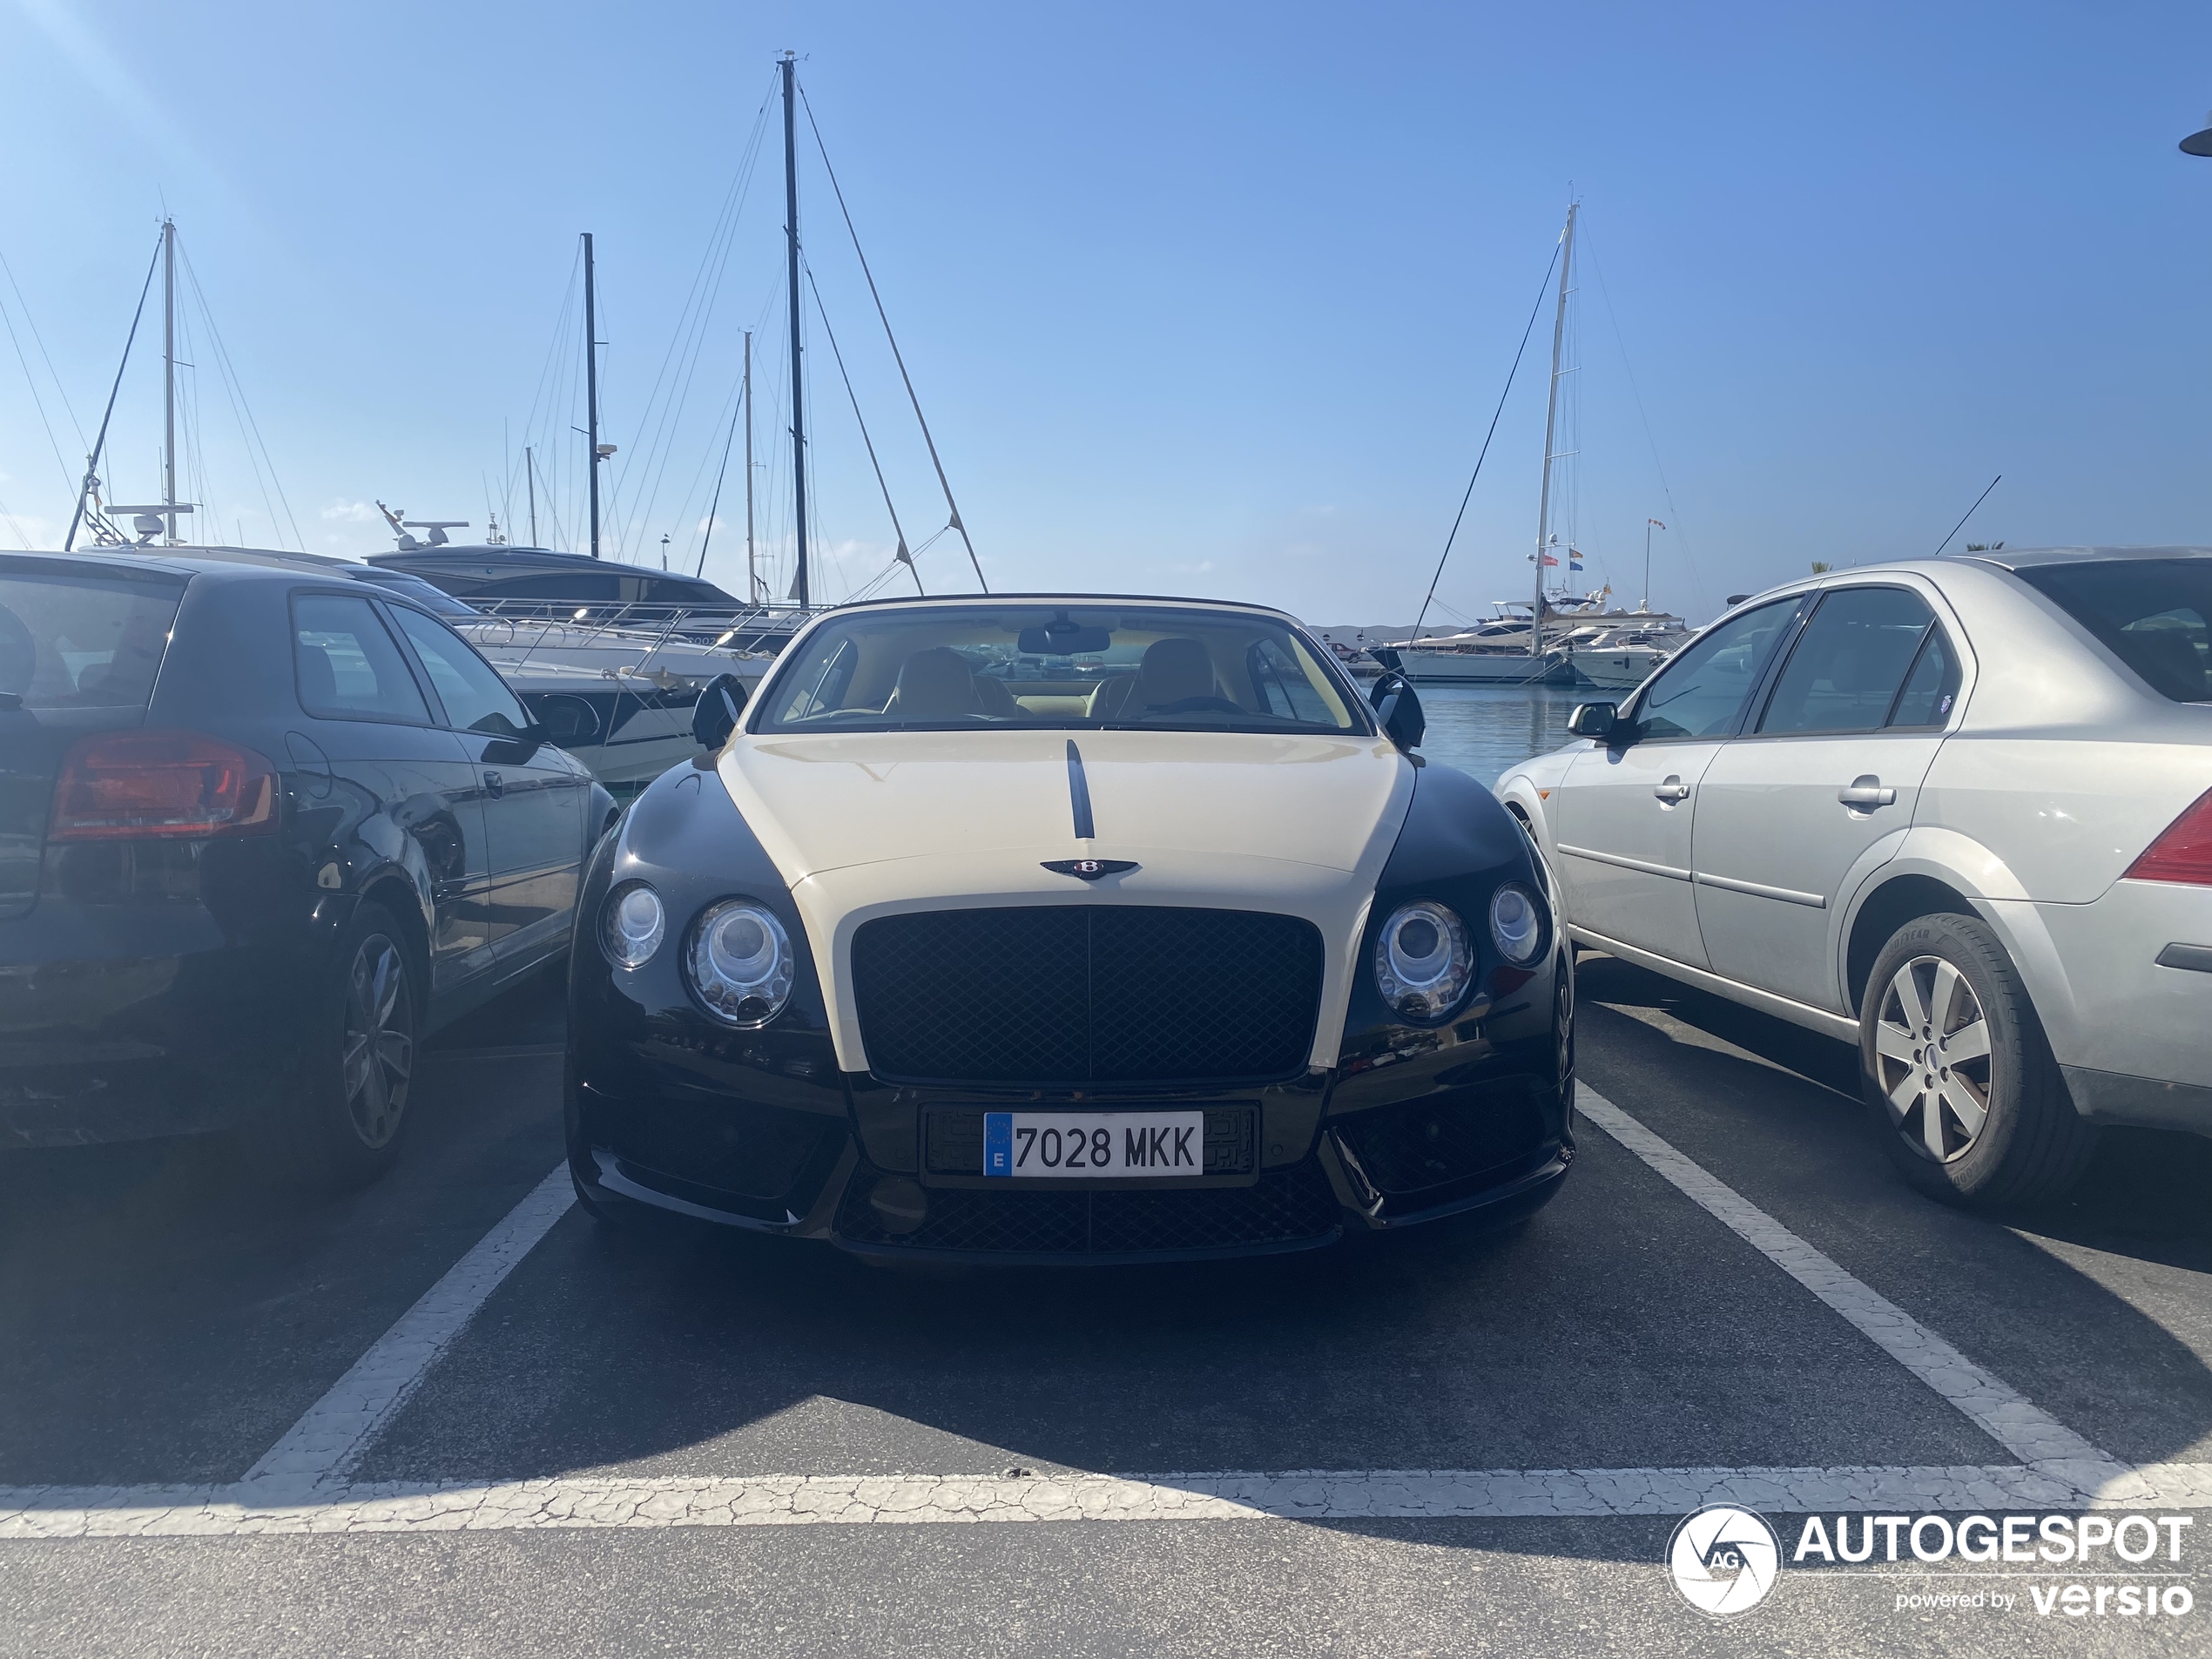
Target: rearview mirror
(1592, 720)
(1398, 710)
(1064, 636)
(714, 717)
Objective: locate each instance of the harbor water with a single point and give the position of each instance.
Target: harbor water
(1484, 729)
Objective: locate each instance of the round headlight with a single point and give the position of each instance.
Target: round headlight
(632, 926)
(1516, 924)
(1423, 960)
(740, 962)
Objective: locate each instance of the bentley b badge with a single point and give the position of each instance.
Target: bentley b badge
(1089, 869)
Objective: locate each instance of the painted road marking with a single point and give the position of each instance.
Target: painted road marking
(300, 1487)
(2030, 1434)
(329, 1438)
(859, 1499)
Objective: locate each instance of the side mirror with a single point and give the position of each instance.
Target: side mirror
(567, 721)
(714, 717)
(1398, 710)
(1594, 721)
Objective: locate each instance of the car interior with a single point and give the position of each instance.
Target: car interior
(1191, 670)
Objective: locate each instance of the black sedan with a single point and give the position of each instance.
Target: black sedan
(261, 832)
(1067, 930)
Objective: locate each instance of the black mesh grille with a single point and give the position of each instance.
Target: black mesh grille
(1072, 994)
(1410, 1147)
(1283, 1206)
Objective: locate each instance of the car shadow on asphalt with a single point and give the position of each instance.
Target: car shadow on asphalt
(2147, 1194)
(167, 1311)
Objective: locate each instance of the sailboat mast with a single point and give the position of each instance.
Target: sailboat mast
(799, 591)
(529, 469)
(591, 384)
(751, 564)
(169, 375)
(1551, 427)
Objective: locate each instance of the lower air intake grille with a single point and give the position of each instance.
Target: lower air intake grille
(1283, 1207)
(1416, 1145)
(1076, 994)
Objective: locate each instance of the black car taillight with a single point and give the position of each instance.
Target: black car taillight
(117, 785)
(2183, 852)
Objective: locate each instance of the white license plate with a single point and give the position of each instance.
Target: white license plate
(1089, 1145)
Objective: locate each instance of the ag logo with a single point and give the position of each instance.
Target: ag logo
(1089, 869)
(1723, 1560)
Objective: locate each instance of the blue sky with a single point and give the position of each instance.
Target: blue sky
(1198, 299)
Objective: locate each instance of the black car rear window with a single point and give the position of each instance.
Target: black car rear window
(82, 639)
(2155, 615)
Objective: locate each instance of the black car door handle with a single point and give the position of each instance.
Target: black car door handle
(495, 786)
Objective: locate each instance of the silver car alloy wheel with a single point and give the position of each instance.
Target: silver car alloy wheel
(1931, 1046)
(379, 1053)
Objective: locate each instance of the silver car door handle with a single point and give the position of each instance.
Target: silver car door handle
(1867, 790)
(495, 786)
(1672, 789)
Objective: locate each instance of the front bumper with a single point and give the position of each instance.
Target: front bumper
(759, 1132)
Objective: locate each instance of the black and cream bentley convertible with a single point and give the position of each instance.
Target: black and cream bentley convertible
(1081, 929)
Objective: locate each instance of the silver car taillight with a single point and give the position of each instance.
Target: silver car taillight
(2183, 852)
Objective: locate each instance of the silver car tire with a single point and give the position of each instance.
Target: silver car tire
(1960, 1082)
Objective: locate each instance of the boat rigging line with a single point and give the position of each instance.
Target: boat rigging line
(30, 380)
(1673, 512)
(92, 460)
(902, 555)
(951, 506)
(1542, 288)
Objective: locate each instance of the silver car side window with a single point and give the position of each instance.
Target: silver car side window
(1848, 662)
(1703, 691)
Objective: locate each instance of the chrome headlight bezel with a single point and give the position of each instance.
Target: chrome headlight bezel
(742, 982)
(1520, 938)
(1424, 976)
(629, 936)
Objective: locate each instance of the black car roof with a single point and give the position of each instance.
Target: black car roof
(190, 560)
(246, 563)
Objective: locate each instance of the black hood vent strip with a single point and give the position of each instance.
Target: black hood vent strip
(1079, 794)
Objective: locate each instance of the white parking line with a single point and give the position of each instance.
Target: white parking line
(300, 1485)
(325, 1443)
(855, 1500)
(2030, 1434)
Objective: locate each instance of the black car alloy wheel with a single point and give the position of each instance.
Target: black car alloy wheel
(378, 1054)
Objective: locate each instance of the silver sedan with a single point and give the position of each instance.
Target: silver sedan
(1958, 812)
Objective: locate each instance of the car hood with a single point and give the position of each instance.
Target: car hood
(827, 802)
(864, 824)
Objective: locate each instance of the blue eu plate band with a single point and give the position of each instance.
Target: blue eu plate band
(998, 1143)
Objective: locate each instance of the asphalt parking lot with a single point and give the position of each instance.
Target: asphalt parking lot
(1460, 1445)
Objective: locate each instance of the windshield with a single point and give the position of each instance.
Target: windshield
(1061, 667)
(82, 641)
(2150, 613)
